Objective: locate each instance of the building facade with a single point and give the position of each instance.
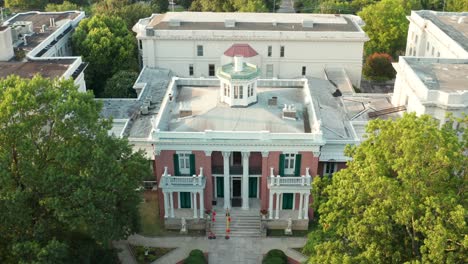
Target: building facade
(191, 44)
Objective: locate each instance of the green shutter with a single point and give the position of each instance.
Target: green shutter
(297, 166)
(176, 165)
(288, 200)
(281, 165)
(220, 187)
(192, 164)
(253, 187)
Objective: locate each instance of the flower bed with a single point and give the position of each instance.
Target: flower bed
(145, 255)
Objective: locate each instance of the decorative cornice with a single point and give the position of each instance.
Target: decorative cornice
(208, 153)
(265, 154)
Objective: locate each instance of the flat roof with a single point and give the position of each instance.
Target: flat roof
(156, 81)
(210, 114)
(448, 75)
(47, 68)
(42, 18)
(454, 24)
(252, 22)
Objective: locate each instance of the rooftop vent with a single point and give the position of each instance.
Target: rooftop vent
(289, 112)
(229, 23)
(149, 32)
(274, 23)
(307, 23)
(273, 101)
(461, 20)
(43, 28)
(144, 110)
(52, 22)
(174, 22)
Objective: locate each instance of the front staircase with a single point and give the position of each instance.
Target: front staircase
(244, 223)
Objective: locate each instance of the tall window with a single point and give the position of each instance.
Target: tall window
(184, 163)
(282, 51)
(330, 168)
(270, 51)
(225, 89)
(303, 70)
(250, 90)
(236, 92)
(241, 92)
(199, 50)
(289, 163)
(140, 44)
(211, 70)
(191, 70)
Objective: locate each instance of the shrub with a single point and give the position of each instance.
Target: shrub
(197, 253)
(274, 260)
(275, 256)
(379, 67)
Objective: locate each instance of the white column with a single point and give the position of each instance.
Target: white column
(202, 205)
(166, 205)
(227, 180)
(194, 203)
(171, 201)
(277, 205)
(301, 209)
(306, 206)
(245, 180)
(270, 205)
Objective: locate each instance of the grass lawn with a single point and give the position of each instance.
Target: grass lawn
(153, 253)
(151, 223)
(296, 233)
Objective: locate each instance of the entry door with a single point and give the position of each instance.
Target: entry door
(220, 187)
(185, 200)
(288, 200)
(236, 187)
(253, 187)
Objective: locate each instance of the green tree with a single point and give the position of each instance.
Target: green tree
(379, 67)
(185, 3)
(107, 44)
(124, 9)
(121, 85)
(160, 6)
(67, 188)
(65, 6)
(386, 26)
(249, 5)
(456, 5)
(401, 199)
(25, 5)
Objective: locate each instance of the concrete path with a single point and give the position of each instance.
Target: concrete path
(235, 250)
(287, 6)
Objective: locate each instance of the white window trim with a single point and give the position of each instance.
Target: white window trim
(289, 171)
(184, 170)
(335, 167)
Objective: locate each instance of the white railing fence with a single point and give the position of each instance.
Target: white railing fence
(304, 180)
(169, 180)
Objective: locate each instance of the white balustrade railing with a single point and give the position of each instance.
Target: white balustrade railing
(304, 180)
(169, 180)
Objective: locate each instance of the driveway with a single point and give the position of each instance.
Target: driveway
(236, 250)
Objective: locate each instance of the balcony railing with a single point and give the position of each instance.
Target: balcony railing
(168, 181)
(278, 181)
(236, 170)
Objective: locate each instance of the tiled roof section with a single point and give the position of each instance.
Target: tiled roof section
(243, 50)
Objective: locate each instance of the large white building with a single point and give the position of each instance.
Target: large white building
(437, 34)
(433, 76)
(45, 40)
(192, 44)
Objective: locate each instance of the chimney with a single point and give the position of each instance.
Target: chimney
(50, 22)
(238, 63)
(25, 41)
(43, 28)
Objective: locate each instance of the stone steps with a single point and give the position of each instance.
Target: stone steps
(243, 224)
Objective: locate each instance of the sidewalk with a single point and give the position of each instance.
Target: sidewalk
(235, 250)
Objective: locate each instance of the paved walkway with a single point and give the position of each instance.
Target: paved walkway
(235, 250)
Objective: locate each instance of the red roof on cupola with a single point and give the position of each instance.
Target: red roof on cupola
(243, 50)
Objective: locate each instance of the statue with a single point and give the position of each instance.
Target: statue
(288, 230)
(183, 229)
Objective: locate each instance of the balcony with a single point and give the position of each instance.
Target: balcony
(236, 170)
(182, 183)
(285, 184)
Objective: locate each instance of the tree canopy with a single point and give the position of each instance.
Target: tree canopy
(124, 9)
(379, 67)
(67, 188)
(386, 26)
(121, 85)
(232, 5)
(108, 45)
(65, 6)
(401, 199)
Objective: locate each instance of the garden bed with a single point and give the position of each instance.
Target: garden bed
(146, 255)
